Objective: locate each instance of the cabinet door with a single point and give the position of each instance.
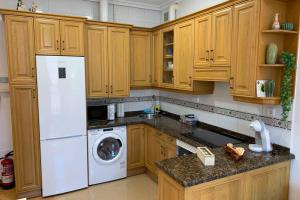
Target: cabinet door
(156, 58)
(221, 38)
(244, 48)
(202, 41)
(140, 58)
(184, 55)
(26, 139)
(153, 149)
(169, 189)
(118, 58)
(135, 146)
(72, 38)
(20, 43)
(230, 188)
(271, 183)
(96, 62)
(47, 37)
(169, 151)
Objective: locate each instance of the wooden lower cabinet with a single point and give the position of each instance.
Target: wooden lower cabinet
(26, 140)
(135, 146)
(269, 183)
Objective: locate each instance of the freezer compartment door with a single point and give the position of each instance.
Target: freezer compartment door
(61, 95)
(64, 165)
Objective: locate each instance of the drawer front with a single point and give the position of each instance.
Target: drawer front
(219, 74)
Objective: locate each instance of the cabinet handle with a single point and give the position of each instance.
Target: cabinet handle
(32, 72)
(231, 79)
(207, 55)
(165, 149)
(161, 150)
(33, 93)
(212, 55)
(150, 78)
(106, 89)
(57, 44)
(111, 89)
(63, 45)
(190, 81)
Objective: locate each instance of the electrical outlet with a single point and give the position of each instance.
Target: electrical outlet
(271, 112)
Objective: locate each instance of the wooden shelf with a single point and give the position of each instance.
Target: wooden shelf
(258, 100)
(280, 32)
(168, 56)
(272, 65)
(168, 44)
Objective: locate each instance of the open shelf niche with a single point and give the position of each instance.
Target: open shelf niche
(286, 40)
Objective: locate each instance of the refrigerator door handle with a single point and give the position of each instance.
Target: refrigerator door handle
(63, 137)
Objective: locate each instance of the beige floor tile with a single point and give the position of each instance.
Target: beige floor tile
(139, 187)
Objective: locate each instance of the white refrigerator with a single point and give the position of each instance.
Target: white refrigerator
(62, 119)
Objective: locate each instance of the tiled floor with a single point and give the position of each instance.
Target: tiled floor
(139, 187)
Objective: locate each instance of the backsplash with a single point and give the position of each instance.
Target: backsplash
(218, 109)
(198, 106)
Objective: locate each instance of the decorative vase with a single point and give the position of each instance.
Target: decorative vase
(271, 55)
(276, 24)
(270, 88)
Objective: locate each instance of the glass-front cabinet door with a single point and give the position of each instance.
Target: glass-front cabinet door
(168, 52)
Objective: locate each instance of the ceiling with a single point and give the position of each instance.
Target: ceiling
(150, 4)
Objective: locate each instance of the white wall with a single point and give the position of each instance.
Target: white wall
(190, 6)
(295, 141)
(5, 127)
(90, 8)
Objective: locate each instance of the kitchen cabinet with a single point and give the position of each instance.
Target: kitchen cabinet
(167, 71)
(213, 36)
(20, 48)
(118, 61)
(59, 37)
(140, 48)
(184, 55)
(156, 58)
(72, 38)
(243, 70)
(97, 61)
(221, 37)
(47, 39)
(135, 146)
(261, 184)
(158, 146)
(107, 61)
(25, 131)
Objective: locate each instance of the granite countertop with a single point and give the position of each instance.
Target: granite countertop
(188, 170)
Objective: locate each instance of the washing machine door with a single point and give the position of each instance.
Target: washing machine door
(108, 148)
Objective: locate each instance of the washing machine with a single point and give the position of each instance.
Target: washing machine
(107, 154)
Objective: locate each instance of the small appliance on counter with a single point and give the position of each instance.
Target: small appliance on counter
(111, 111)
(189, 119)
(120, 110)
(262, 137)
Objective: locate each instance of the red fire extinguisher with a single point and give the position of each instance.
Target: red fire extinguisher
(8, 178)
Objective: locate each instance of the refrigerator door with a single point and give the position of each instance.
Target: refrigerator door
(64, 165)
(61, 95)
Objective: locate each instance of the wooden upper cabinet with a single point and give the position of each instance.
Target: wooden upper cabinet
(136, 146)
(184, 55)
(20, 44)
(96, 61)
(244, 50)
(202, 41)
(72, 38)
(156, 58)
(26, 139)
(140, 58)
(47, 36)
(118, 54)
(221, 37)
